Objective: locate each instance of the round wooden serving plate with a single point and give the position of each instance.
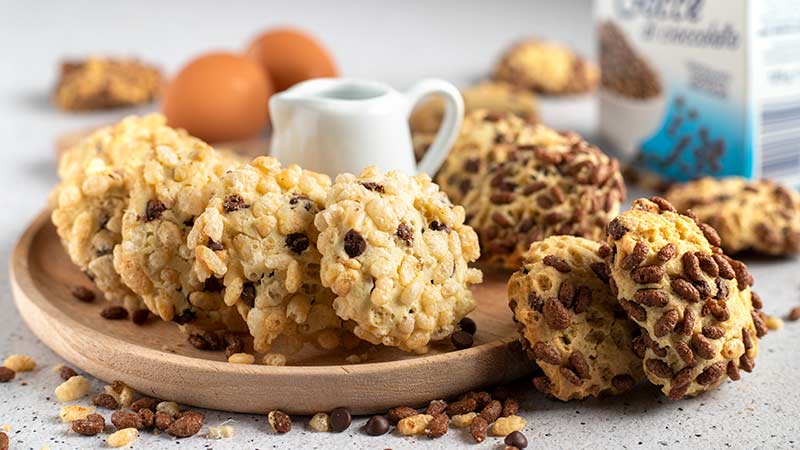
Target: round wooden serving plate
(156, 360)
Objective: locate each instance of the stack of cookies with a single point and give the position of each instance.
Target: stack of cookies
(160, 220)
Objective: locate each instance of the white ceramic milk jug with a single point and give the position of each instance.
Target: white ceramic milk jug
(336, 125)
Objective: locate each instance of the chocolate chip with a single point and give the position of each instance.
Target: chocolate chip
(377, 426)
(436, 407)
(463, 406)
(478, 429)
(647, 274)
(516, 439)
(354, 243)
(687, 325)
(148, 418)
(634, 311)
(711, 374)
(666, 253)
(691, 266)
(685, 352)
(733, 371)
(579, 364)
(663, 204)
(83, 294)
(6, 374)
(472, 165)
(570, 375)
(546, 353)
(213, 284)
(685, 290)
(187, 425)
(759, 323)
(105, 401)
(468, 325)
(723, 291)
(708, 264)
(601, 270)
(375, 187)
(743, 277)
(659, 368)
(405, 233)
(566, 293)
(340, 419)
(712, 332)
(666, 323)
(639, 346)
(233, 202)
(502, 198)
(718, 309)
(187, 316)
(124, 419)
(297, 242)
(214, 245)
(555, 314)
(794, 314)
(703, 347)
(92, 425)
(651, 297)
(623, 383)
(711, 234)
(636, 257)
(616, 229)
(491, 411)
(140, 316)
(153, 210)
(66, 372)
(145, 403)
(583, 299)
(543, 385)
(248, 295)
(755, 299)
(401, 412)
(747, 340)
(114, 313)
(604, 251)
(510, 407)
(746, 363)
(438, 226)
(557, 263)
(461, 340)
(163, 421)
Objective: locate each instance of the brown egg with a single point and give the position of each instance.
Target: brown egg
(290, 56)
(219, 97)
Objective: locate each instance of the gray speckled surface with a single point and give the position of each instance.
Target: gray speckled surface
(760, 411)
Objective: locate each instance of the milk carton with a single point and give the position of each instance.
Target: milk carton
(702, 87)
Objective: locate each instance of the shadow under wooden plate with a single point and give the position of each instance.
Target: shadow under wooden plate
(155, 359)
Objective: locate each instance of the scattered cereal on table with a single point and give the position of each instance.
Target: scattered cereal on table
(20, 363)
(414, 425)
(122, 438)
(507, 425)
(320, 422)
(279, 421)
(220, 432)
(241, 358)
(92, 425)
(73, 389)
(74, 412)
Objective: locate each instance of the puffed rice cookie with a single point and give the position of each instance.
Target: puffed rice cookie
(396, 253)
(701, 323)
(257, 235)
(748, 215)
(521, 183)
(89, 202)
(570, 323)
(496, 97)
(168, 191)
(546, 67)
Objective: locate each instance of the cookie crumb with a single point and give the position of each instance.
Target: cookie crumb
(220, 432)
(122, 437)
(72, 413)
(121, 393)
(20, 363)
(274, 359)
(320, 422)
(73, 389)
(507, 425)
(279, 421)
(83, 294)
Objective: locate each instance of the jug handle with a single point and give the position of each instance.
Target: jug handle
(451, 123)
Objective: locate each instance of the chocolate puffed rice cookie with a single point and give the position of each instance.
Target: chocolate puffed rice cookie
(396, 253)
(168, 191)
(523, 182)
(569, 321)
(700, 321)
(89, 202)
(748, 215)
(546, 67)
(257, 236)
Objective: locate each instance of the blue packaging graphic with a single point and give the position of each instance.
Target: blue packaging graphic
(702, 87)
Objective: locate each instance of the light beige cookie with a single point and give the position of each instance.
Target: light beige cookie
(93, 193)
(700, 321)
(521, 183)
(98, 83)
(546, 67)
(748, 215)
(168, 191)
(396, 253)
(496, 97)
(257, 235)
(569, 321)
